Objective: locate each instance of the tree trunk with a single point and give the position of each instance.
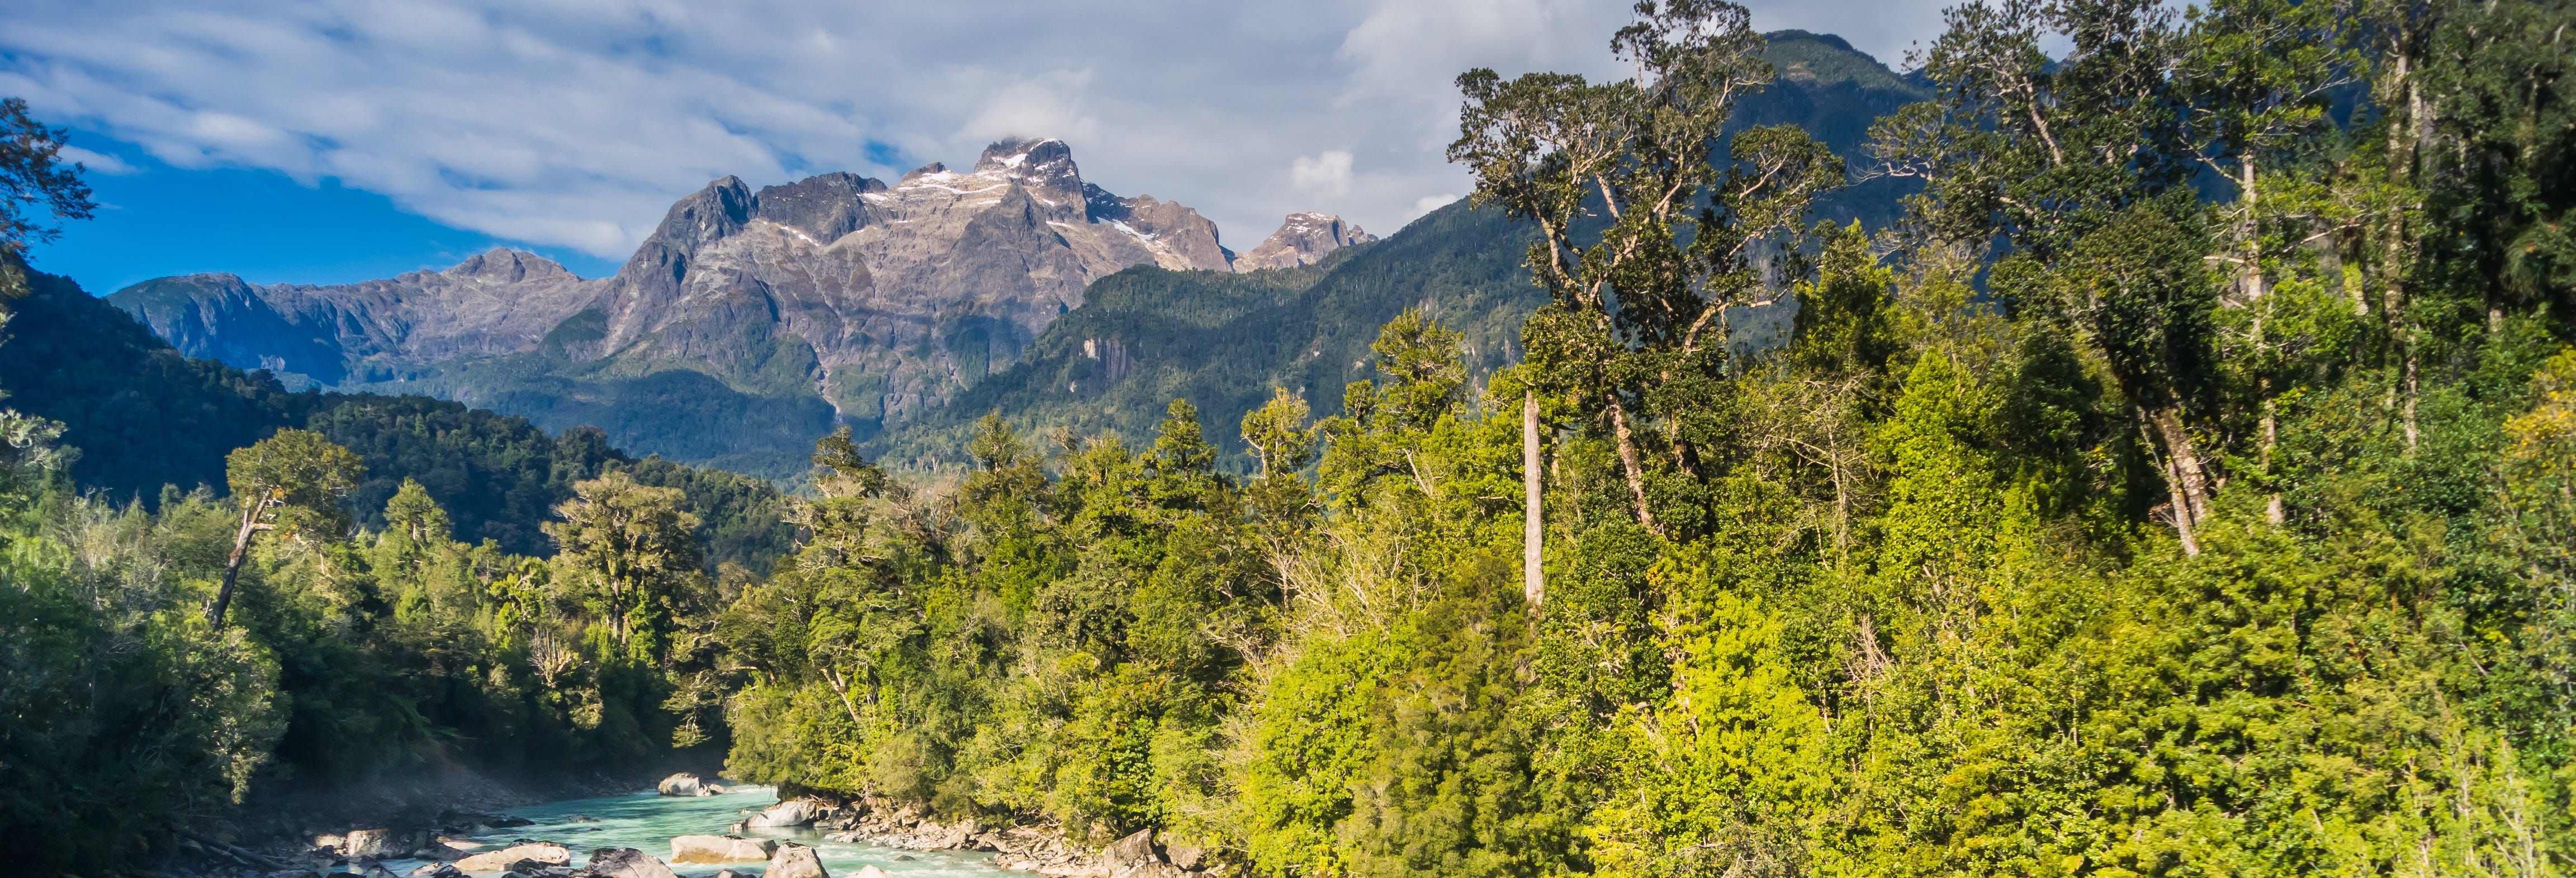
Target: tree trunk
(841, 687)
(1629, 465)
(2272, 511)
(2401, 162)
(1533, 519)
(250, 526)
(2185, 477)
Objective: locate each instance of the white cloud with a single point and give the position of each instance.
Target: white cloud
(1046, 106)
(1429, 203)
(577, 122)
(1326, 174)
(96, 162)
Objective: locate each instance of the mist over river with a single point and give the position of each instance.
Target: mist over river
(647, 821)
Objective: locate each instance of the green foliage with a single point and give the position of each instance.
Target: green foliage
(2081, 526)
(32, 175)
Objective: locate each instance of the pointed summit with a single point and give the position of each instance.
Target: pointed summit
(507, 266)
(1303, 240)
(1044, 166)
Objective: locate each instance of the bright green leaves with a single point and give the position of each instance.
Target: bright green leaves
(631, 550)
(298, 477)
(1653, 223)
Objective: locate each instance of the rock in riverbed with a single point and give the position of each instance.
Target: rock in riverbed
(686, 784)
(721, 849)
(545, 852)
(796, 813)
(626, 863)
(379, 843)
(798, 861)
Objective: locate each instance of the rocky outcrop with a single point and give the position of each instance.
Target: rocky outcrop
(625, 863)
(686, 784)
(541, 852)
(796, 861)
(1304, 239)
(721, 849)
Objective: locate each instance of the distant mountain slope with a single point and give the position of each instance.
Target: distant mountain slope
(751, 322)
(144, 417)
(1147, 336)
(748, 323)
(1835, 92)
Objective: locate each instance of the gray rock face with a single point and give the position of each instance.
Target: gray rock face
(881, 299)
(1303, 240)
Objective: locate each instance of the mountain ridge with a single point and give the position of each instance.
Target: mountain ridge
(752, 320)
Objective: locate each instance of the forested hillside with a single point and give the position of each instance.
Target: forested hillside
(144, 417)
(2185, 485)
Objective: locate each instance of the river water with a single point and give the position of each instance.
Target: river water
(647, 822)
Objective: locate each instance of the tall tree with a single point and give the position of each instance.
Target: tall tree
(1653, 220)
(632, 549)
(292, 481)
(37, 190)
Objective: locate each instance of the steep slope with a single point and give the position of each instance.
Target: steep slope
(1835, 92)
(1149, 335)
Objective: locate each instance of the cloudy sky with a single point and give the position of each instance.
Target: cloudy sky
(334, 140)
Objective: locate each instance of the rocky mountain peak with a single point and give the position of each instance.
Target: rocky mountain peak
(1046, 160)
(824, 206)
(1044, 167)
(923, 171)
(707, 215)
(1304, 239)
(504, 265)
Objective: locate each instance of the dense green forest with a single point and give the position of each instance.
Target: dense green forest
(2186, 485)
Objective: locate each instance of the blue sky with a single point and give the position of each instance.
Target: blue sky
(330, 141)
(155, 220)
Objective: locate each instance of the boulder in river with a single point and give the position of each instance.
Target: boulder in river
(438, 870)
(380, 844)
(686, 784)
(626, 863)
(795, 813)
(545, 852)
(798, 861)
(721, 849)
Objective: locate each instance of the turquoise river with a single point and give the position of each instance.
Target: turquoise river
(647, 822)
